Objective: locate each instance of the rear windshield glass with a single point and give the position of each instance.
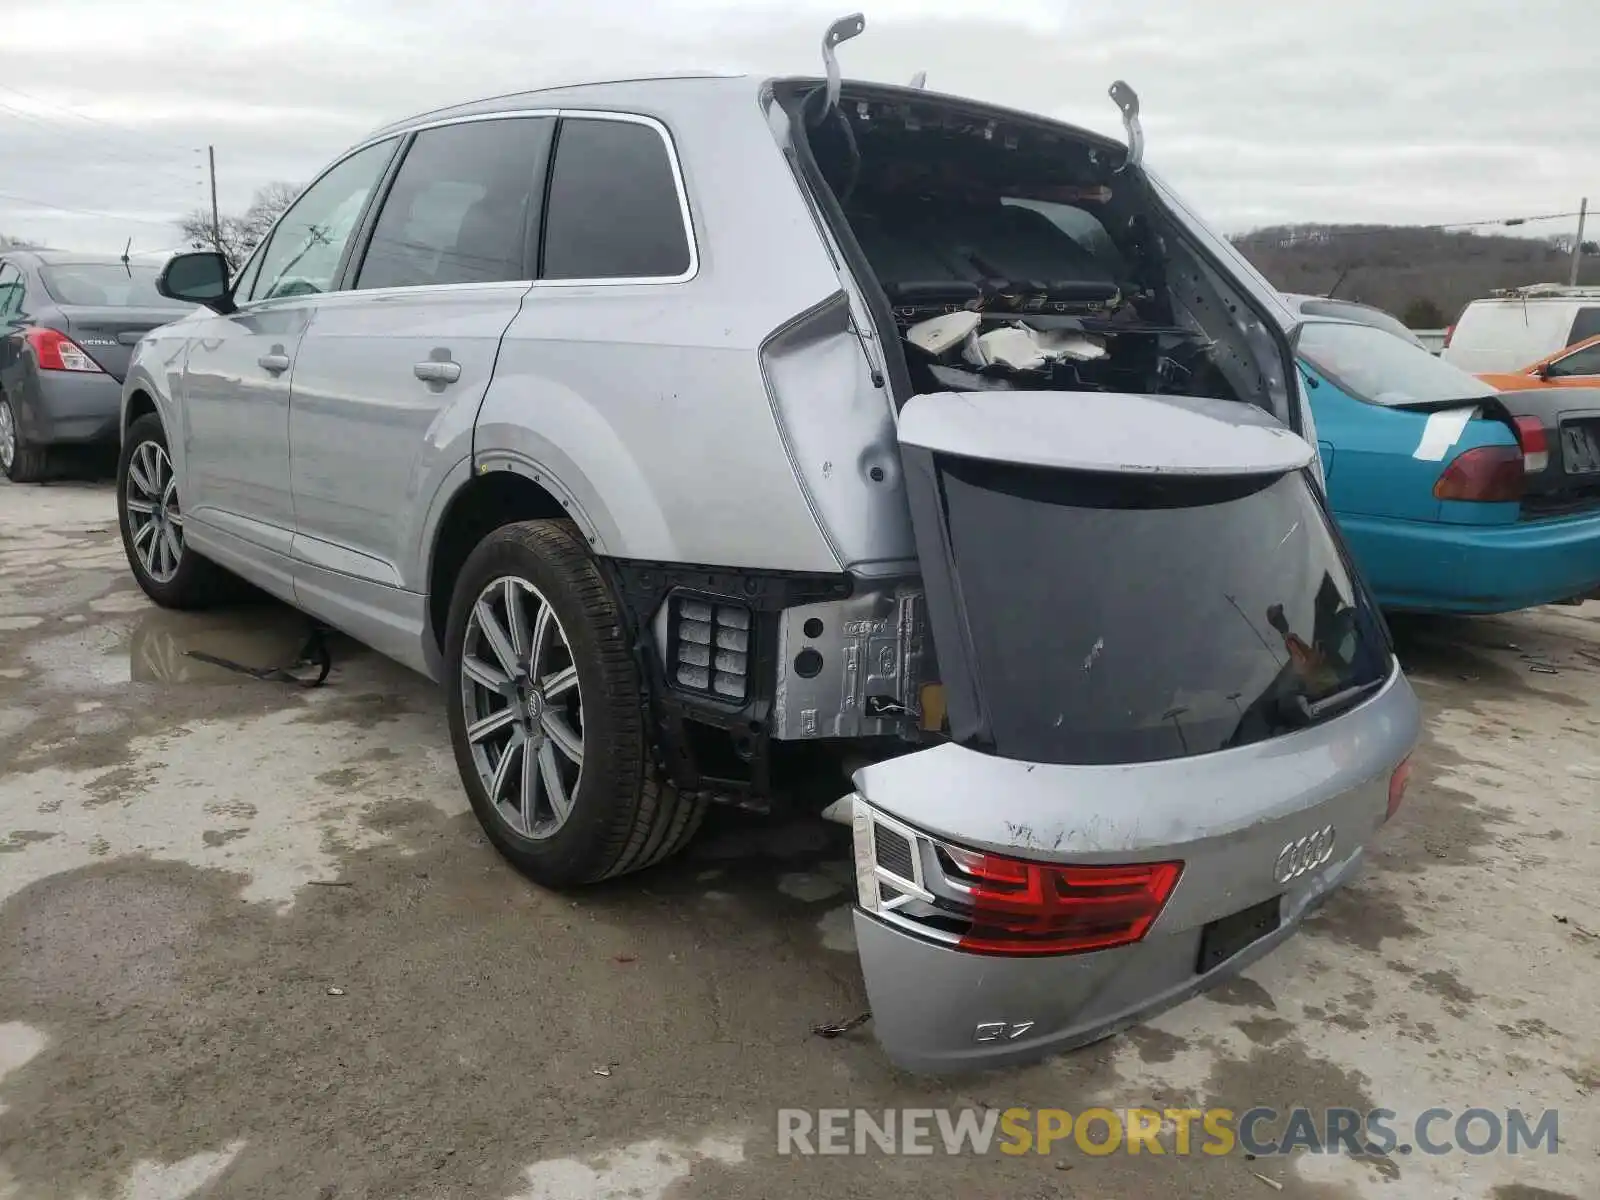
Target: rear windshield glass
(1585, 325)
(1379, 368)
(104, 285)
(1120, 619)
(1361, 313)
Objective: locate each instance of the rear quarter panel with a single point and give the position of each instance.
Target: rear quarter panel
(646, 404)
(1375, 469)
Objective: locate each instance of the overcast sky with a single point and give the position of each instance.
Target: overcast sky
(1260, 111)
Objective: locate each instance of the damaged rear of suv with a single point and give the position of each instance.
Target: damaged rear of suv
(829, 436)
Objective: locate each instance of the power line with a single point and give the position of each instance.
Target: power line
(100, 145)
(1326, 234)
(70, 111)
(87, 212)
(108, 157)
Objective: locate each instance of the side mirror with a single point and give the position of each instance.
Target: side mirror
(1543, 371)
(197, 278)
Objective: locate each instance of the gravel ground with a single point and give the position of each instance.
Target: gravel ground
(253, 945)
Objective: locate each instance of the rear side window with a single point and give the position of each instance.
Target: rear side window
(1585, 325)
(461, 207)
(1120, 619)
(613, 210)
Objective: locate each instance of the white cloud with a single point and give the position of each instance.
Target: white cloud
(1425, 110)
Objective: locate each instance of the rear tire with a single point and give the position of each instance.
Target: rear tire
(557, 664)
(23, 463)
(151, 519)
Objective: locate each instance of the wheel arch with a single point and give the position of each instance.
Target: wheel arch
(138, 404)
(485, 501)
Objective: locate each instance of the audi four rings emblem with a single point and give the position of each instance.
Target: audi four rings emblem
(1304, 854)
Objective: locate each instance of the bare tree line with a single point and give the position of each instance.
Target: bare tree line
(1424, 275)
(235, 235)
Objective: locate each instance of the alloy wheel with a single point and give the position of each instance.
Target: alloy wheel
(155, 521)
(523, 707)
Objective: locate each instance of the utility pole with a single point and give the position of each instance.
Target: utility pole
(1577, 245)
(216, 219)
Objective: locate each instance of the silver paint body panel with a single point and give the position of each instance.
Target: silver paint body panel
(1225, 815)
(736, 416)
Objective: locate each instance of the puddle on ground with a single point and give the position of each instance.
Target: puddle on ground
(163, 643)
(159, 647)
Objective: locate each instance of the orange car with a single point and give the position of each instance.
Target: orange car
(1573, 366)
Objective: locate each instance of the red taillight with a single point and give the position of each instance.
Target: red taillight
(55, 351)
(1397, 786)
(1044, 908)
(1535, 445)
(1449, 332)
(1489, 473)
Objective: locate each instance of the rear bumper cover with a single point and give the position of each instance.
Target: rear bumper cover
(1070, 1001)
(1226, 815)
(1437, 567)
(65, 406)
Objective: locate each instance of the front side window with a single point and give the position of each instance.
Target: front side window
(613, 210)
(1369, 364)
(1579, 362)
(461, 206)
(247, 277)
(1124, 618)
(303, 257)
(103, 285)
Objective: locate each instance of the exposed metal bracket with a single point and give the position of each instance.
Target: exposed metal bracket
(839, 32)
(1128, 101)
(919, 80)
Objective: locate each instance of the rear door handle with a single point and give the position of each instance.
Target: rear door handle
(437, 371)
(275, 362)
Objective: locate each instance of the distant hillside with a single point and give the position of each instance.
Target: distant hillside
(1423, 275)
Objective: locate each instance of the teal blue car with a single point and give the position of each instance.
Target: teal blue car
(1453, 497)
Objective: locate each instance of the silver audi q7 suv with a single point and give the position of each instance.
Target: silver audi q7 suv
(707, 437)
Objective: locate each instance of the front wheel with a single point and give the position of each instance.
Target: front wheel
(151, 518)
(545, 713)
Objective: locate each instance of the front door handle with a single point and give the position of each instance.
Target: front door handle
(437, 371)
(275, 363)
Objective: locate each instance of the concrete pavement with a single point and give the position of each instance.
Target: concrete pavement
(252, 944)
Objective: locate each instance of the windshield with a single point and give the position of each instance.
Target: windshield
(103, 285)
(1121, 618)
(1378, 367)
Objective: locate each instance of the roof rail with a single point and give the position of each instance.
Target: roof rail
(1549, 290)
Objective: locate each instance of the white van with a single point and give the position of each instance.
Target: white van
(1513, 328)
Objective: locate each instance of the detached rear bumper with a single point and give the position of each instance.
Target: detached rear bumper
(1229, 817)
(1438, 567)
(929, 1000)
